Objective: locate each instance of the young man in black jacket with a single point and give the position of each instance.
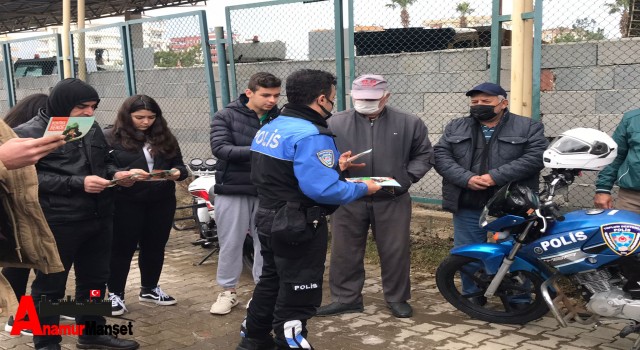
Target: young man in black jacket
(236, 201)
(79, 209)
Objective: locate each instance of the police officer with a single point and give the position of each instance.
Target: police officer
(294, 166)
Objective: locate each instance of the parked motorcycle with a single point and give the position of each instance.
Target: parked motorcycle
(516, 281)
(202, 209)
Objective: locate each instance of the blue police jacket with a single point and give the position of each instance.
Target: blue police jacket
(295, 159)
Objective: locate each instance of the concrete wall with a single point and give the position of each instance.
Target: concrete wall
(594, 84)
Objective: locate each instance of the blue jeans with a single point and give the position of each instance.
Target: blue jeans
(467, 230)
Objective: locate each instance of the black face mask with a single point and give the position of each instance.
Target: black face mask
(328, 113)
(482, 112)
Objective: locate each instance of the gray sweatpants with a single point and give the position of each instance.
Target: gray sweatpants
(389, 220)
(234, 216)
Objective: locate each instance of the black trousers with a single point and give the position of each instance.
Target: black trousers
(290, 288)
(18, 278)
(87, 246)
(146, 223)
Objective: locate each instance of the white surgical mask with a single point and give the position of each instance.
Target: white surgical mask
(366, 107)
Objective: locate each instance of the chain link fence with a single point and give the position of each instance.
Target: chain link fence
(168, 64)
(4, 95)
(281, 39)
(590, 69)
(34, 65)
(104, 59)
(431, 52)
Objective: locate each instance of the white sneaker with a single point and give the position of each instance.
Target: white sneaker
(226, 301)
(117, 305)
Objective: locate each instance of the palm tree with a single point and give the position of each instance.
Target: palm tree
(404, 14)
(465, 9)
(623, 7)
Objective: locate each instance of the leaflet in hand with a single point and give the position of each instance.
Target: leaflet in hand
(115, 181)
(382, 181)
(352, 158)
(159, 175)
(74, 128)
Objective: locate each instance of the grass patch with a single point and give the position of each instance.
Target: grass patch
(426, 254)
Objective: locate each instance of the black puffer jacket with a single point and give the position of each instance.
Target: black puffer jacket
(144, 191)
(515, 154)
(232, 131)
(61, 174)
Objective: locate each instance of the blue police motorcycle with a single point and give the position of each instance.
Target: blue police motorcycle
(594, 252)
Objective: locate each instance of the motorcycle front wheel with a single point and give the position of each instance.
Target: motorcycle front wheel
(518, 299)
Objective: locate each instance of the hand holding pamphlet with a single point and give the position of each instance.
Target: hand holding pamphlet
(352, 158)
(73, 128)
(382, 181)
(115, 181)
(159, 175)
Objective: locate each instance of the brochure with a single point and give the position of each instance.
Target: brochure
(74, 128)
(352, 158)
(159, 175)
(115, 181)
(382, 181)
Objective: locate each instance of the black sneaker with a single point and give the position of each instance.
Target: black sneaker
(339, 308)
(156, 296)
(9, 326)
(105, 342)
(117, 305)
(256, 344)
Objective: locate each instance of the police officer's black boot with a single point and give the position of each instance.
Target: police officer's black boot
(256, 344)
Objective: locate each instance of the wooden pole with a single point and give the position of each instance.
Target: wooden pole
(66, 24)
(82, 64)
(517, 54)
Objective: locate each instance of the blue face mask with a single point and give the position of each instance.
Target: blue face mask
(483, 112)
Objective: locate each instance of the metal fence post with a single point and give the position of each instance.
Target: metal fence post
(232, 62)
(8, 74)
(352, 51)
(127, 58)
(496, 42)
(340, 74)
(221, 54)
(537, 60)
(59, 61)
(71, 58)
(206, 53)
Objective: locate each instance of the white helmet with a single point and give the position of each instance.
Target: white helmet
(581, 148)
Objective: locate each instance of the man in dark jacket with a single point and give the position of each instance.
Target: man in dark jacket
(79, 209)
(478, 154)
(236, 201)
(400, 148)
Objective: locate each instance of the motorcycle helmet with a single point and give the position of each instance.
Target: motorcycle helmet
(513, 199)
(581, 148)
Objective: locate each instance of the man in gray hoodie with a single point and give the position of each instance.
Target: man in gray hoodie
(400, 148)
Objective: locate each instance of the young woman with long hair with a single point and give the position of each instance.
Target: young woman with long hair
(142, 143)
